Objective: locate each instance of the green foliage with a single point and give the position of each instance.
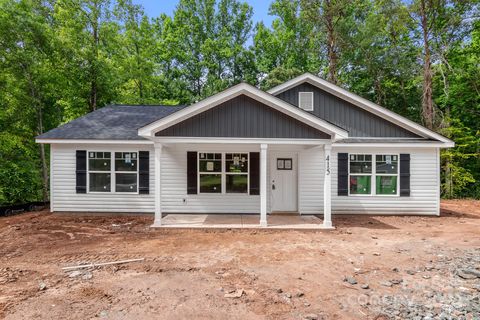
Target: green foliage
(19, 179)
(61, 59)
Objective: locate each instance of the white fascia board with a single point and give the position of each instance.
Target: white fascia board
(397, 145)
(360, 102)
(214, 140)
(149, 130)
(91, 141)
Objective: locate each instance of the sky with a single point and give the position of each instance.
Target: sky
(153, 8)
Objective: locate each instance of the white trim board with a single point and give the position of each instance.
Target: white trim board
(149, 130)
(396, 145)
(215, 140)
(360, 102)
(91, 141)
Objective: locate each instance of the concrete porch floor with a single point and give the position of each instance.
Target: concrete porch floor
(240, 221)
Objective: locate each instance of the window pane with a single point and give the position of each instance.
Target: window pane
(126, 182)
(387, 164)
(386, 185)
(360, 184)
(237, 183)
(211, 183)
(99, 164)
(99, 182)
(99, 161)
(236, 162)
(360, 163)
(210, 166)
(126, 161)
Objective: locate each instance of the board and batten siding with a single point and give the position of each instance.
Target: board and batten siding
(355, 120)
(65, 198)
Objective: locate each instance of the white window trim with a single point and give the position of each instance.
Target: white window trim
(373, 175)
(112, 172)
(303, 92)
(223, 173)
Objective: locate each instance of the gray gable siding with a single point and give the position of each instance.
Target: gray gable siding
(243, 117)
(355, 120)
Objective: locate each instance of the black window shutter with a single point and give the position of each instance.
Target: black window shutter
(404, 175)
(81, 171)
(191, 172)
(254, 173)
(343, 174)
(144, 172)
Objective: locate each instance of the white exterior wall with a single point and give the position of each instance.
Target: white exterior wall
(63, 183)
(424, 183)
(174, 183)
(311, 171)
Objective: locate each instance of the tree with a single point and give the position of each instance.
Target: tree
(28, 77)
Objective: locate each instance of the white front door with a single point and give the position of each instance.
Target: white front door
(283, 181)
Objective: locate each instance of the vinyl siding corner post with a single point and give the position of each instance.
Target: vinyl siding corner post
(327, 189)
(158, 192)
(263, 185)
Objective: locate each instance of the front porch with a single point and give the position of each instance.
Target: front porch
(280, 186)
(242, 221)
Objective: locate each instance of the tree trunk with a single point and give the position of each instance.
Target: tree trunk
(94, 64)
(139, 66)
(331, 43)
(38, 107)
(43, 159)
(427, 99)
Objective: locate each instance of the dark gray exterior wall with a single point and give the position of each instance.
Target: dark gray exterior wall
(243, 117)
(355, 120)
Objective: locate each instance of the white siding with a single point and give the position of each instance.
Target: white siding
(174, 183)
(65, 198)
(311, 172)
(424, 186)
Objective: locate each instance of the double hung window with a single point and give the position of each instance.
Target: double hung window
(373, 174)
(123, 174)
(223, 172)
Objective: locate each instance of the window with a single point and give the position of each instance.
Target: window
(223, 172)
(102, 175)
(126, 169)
(360, 173)
(236, 167)
(284, 164)
(99, 166)
(305, 101)
(210, 172)
(384, 174)
(386, 169)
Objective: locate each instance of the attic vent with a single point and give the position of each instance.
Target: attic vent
(305, 101)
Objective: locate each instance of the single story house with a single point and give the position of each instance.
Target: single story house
(306, 146)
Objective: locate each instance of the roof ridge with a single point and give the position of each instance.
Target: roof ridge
(144, 105)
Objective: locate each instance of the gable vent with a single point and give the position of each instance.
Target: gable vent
(305, 101)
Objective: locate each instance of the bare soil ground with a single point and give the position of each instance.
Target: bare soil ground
(415, 267)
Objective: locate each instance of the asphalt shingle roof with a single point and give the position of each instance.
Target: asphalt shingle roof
(117, 122)
(386, 140)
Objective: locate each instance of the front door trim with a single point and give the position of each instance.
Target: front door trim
(283, 181)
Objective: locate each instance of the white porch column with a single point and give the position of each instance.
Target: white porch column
(263, 185)
(327, 187)
(158, 194)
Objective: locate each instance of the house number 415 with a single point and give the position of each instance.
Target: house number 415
(328, 165)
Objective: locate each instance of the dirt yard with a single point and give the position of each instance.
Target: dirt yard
(370, 267)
